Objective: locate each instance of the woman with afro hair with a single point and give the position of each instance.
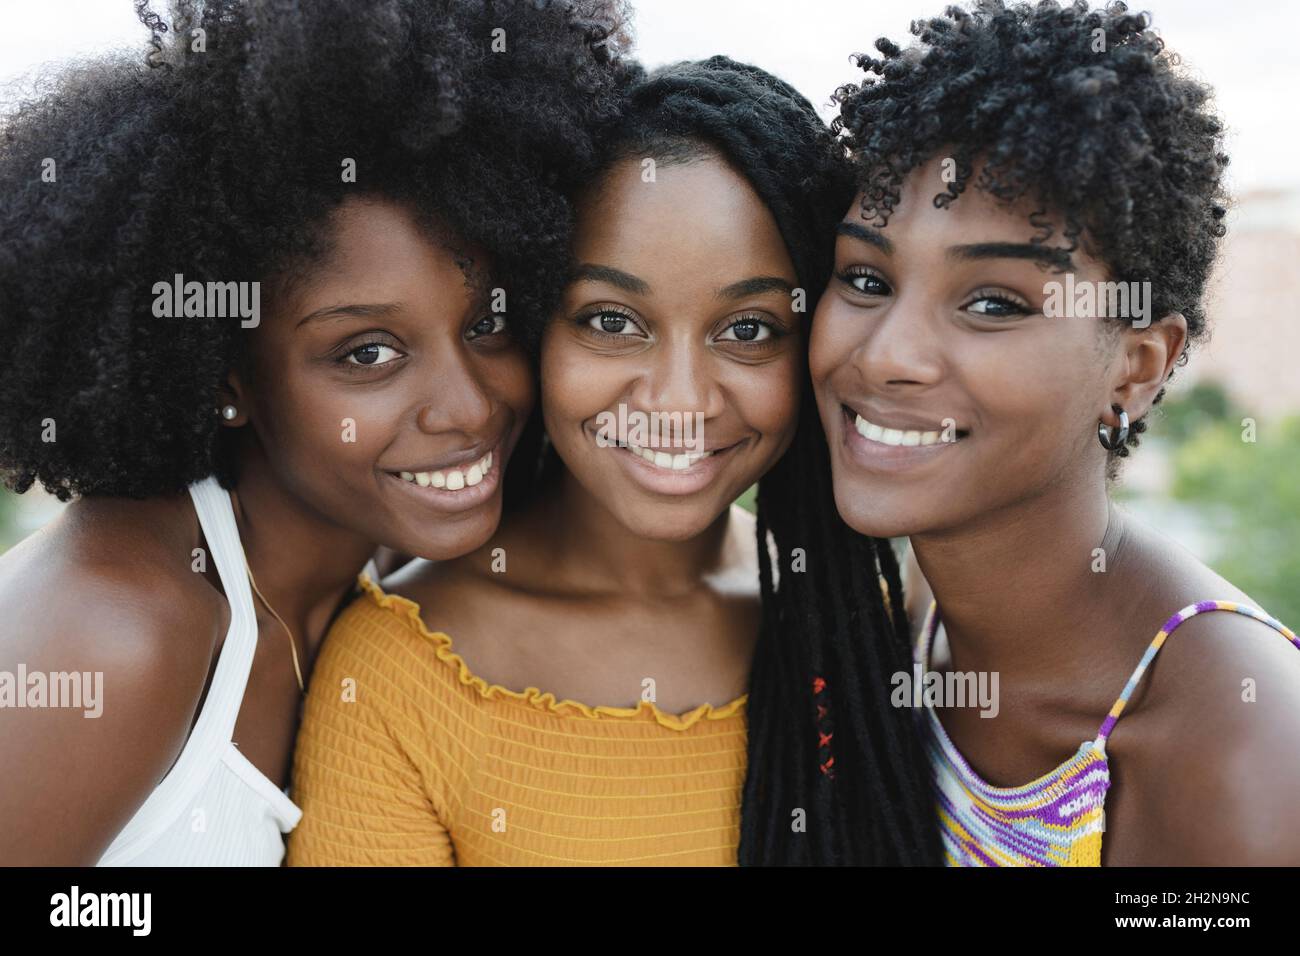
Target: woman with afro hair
(618, 677)
(1039, 204)
(253, 317)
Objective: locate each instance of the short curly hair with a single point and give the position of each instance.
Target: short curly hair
(1080, 110)
(220, 154)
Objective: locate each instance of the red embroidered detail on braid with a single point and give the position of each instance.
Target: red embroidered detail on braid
(827, 766)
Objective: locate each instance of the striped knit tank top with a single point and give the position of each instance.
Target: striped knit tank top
(1058, 819)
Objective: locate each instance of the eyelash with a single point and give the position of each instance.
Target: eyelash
(857, 272)
(774, 333)
(585, 323)
(368, 343)
(992, 295)
(351, 366)
(996, 295)
(504, 329)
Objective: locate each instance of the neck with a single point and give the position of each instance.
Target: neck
(594, 551)
(303, 563)
(1014, 584)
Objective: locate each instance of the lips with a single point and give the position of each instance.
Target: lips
(895, 444)
(453, 479)
(894, 431)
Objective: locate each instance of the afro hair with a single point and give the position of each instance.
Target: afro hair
(219, 154)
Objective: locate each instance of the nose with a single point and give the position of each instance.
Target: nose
(902, 348)
(456, 398)
(678, 378)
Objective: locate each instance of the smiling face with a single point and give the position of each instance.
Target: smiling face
(945, 392)
(682, 306)
(384, 392)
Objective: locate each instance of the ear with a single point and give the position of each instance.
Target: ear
(235, 394)
(1149, 357)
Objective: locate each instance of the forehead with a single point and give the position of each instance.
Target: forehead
(692, 218)
(974, 216)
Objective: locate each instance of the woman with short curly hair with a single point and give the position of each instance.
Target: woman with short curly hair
(253, 318)
(1040, 202)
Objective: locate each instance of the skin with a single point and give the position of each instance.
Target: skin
(1004, 522)
(610, 578)
(108, 585)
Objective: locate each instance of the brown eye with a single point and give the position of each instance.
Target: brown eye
(746, 330)
(372, 353)
(488, 325)
(609, 322)
(865, 282)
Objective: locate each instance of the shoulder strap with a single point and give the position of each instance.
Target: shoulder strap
(216, 724)
(210, 737)
(1201, 607)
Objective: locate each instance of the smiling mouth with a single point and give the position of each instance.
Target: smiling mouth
(663, 460)
(901, 437)
(451, 479)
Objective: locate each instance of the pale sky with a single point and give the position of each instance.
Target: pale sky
(1249, 53)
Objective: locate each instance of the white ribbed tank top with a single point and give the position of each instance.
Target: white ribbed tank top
(214, 808)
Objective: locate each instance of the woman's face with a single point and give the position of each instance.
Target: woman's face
(385, 392)
(681, 307)
(945, 392)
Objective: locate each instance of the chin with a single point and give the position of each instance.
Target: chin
(667, 522)
(868, 515)
(458, 536)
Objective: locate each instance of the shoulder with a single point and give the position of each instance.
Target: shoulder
(1218, 776)
(1219, 780)
(103, 590)
(138, 634)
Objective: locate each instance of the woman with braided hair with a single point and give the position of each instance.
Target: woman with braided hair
(578, 690)
(1018, 167)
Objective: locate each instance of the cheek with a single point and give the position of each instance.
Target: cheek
(333, 430)
(510, 378)
(575, 385)
(828, 343)
(1038, 397)
(767, 396)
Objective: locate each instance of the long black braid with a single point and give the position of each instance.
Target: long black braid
(823, 738)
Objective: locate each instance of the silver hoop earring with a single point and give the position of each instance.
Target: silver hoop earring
(229, 412)
(1117, 436)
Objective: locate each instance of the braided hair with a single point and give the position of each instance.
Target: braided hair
(822, 736)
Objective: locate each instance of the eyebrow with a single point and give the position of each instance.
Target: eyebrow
(1011, 250)
(974, 251)
(756, 285)
(345, 311)
(853, 230)
(617, 277)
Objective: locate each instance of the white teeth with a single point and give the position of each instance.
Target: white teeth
(661, 459)
(894, 436)
(452, 479)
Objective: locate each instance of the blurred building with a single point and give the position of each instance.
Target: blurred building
(1254, 307)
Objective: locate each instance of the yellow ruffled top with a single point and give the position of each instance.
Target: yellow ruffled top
(406, 757)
